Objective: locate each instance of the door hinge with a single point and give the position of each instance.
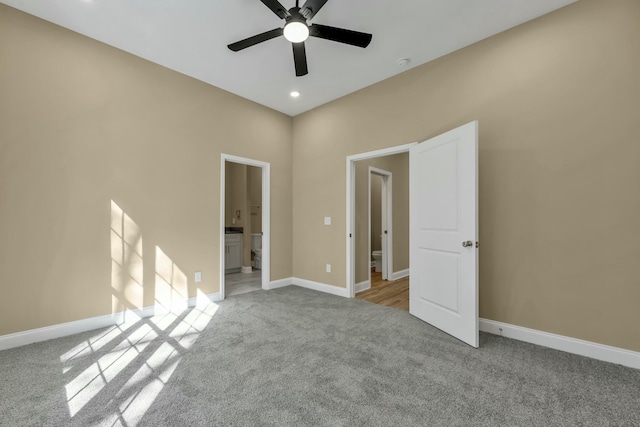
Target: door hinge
(477, 244)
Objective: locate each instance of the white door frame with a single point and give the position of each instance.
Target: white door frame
(351, 205)
(386, 221)
(266, 214)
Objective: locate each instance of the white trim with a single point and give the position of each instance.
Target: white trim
(124, 316)
(321, 287)
(369, 244)
(363, 286)
(266, 216)
(214, 297)
(559, 342)
(593, 350)
(46, 333)
(351, 220)
(280, 283)
(56, 331)
(400, 274)
(246, 269)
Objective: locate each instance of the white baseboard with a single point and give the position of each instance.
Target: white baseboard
(71, 328)
(246, 269)
(559, 342)
(118, 318)
(363, 286)
(396, 275)
(280, 283)
(322, 287)
(56, 331)
(214, 297)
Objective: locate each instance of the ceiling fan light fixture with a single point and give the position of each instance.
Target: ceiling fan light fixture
(298, 28)
(296, 31)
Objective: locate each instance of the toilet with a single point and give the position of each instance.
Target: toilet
(377, 257)
(256, 250)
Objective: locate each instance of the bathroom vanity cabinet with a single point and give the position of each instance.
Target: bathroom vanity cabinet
(232, 253)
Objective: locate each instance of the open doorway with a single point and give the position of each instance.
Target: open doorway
(443, 218)
(378, 265)
(244, 225)
(381, 221)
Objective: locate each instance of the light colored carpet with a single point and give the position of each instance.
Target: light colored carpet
(295, 357)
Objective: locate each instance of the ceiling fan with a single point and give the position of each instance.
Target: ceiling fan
(297, 29)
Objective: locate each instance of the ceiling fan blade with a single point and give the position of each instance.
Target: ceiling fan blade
(354, 38)
(243, 44)
(276, 7)
(311, 7)
(300, 59)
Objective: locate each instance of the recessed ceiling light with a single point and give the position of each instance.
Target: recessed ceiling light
(295, 94)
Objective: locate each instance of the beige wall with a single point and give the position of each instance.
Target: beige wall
(253, 211)
(375, 199)
(238, 193)
(83, 124)
(235, 195)
(107, 158)
(398, 165)
(254, 183)
(557, 101)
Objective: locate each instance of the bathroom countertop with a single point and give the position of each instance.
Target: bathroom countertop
(233, 230)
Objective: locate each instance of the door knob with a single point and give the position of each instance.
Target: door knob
(467, 244)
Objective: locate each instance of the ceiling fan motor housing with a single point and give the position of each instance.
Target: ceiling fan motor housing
(296, 29)
(295, 16)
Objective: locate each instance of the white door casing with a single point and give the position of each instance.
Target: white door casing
(266, 218)
(443, 206)
(387, 227)
(351, 208)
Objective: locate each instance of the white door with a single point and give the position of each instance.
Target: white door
(443, 186)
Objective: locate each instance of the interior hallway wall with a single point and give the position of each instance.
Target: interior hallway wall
(254, 182)
(557, 102)
(94, 141)
(254, 210)
(376, 211)
(235, 180)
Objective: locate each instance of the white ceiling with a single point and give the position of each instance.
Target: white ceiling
(191, 37)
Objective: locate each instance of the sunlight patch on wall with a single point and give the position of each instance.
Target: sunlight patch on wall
(126, 262)
(171, 286)
(124, 369)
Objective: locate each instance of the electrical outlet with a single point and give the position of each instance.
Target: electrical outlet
(327, 220)
(328, 268)
(198, 276)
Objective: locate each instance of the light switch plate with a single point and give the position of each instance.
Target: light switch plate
(327, 220)
(198, 276)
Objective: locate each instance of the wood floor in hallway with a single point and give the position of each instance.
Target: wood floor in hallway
(392, 294)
